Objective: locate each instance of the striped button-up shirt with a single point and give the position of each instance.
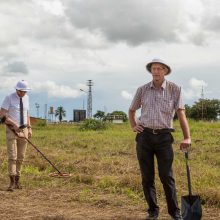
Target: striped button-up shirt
(158, 105)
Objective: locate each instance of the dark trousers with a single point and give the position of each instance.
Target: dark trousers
(159, 145)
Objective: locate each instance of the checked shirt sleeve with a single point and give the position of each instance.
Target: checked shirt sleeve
(136, 103)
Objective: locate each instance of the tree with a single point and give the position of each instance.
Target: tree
(99, 114)
(188, 111)
(205, 109)
(60, 112)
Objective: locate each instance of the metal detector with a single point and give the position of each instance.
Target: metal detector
(54, 174)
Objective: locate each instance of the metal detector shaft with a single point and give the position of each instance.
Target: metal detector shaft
(42, 155)
(36, 149)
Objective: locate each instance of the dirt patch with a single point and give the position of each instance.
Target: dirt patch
(60, 204)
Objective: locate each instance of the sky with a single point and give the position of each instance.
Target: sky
(57, 45)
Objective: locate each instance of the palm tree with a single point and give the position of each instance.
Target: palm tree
(60, 112)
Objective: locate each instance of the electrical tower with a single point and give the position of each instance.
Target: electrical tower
(89, 100)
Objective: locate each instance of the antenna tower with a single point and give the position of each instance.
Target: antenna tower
(89, 100)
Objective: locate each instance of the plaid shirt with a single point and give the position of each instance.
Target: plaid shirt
(158, 106)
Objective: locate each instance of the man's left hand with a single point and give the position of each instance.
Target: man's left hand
(185, 144)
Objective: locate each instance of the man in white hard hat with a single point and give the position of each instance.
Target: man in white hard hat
(15, 113)
(158, 100)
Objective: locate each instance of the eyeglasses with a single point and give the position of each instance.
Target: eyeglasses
(153, 69)
(20, 91)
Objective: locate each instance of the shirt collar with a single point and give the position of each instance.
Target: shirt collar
(163, 86)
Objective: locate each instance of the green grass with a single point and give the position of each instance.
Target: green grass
(104, 162)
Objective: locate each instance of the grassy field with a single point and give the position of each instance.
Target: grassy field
(105, 181)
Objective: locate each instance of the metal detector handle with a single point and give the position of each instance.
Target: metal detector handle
(188, 173)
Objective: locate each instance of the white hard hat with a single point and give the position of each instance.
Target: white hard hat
(158, 60)
(22, 86)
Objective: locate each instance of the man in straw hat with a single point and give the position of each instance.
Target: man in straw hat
(158, 100)
(14, 112)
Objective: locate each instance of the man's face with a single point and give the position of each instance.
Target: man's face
(158, 71)
(21, 93)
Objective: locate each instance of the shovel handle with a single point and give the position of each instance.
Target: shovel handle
(188, 173)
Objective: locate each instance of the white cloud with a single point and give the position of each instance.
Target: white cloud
(126, 95)
(195, 90)
(54, 7)
(64, 42)
(8, 83)
(55, 90)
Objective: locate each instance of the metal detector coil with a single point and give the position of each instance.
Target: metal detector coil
(60, 175)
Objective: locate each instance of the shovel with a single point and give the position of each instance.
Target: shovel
(191, 204)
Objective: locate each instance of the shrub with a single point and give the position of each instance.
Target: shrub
(41, 124)
(93, 124)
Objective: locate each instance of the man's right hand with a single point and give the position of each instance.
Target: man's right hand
(138, 128)
(185, 145)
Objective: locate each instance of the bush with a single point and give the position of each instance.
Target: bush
(41, 124)
(93, 124)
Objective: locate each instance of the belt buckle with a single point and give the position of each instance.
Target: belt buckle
(154, 131)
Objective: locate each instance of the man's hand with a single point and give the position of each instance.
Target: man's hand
(29, 132)
(138, 128)
(185, 145)
(15, 127)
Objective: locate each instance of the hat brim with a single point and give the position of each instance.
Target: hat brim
(148, 67)
(21, 89)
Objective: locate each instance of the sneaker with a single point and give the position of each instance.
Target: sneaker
(152, 216)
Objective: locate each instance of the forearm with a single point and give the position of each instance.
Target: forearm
(28, 121)
(183, 123)
(5, 118)
(131, 115)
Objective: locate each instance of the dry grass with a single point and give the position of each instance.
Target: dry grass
(105, 181)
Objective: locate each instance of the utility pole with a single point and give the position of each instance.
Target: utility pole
(37, 107)
(45, 112)
(202, 100)
(89, 100)
(83, 105)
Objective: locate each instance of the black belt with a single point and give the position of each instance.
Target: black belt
(159, 131)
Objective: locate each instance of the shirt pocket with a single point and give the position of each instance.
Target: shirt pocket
(167, 106)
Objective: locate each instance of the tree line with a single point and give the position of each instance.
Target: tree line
(204, 109)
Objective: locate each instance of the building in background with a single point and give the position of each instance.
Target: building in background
(79, 115)
(37, 121)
